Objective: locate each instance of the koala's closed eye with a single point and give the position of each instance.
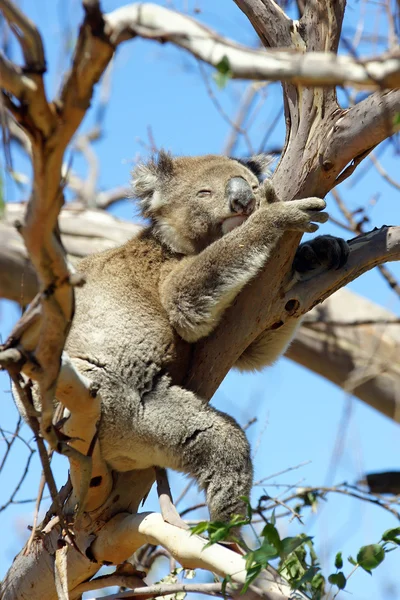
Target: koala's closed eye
(204, 193)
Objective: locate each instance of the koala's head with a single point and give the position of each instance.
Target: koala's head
(193, 201)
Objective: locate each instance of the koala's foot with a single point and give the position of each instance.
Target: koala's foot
(324, 251)
(298, 215)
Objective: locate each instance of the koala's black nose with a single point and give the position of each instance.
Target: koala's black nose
(240, 195)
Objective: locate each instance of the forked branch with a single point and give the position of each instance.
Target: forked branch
(261, 307)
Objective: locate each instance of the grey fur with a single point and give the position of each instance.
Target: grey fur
(145, 302)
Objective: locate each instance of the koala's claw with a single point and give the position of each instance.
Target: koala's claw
(323, 251)
(299, 215)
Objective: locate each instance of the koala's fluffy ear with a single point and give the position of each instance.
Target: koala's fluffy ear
(258, 164)
(147, 179)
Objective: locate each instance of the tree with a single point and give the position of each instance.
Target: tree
(324, 145)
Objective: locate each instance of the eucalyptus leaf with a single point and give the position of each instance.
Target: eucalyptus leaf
(392, 535)
(369, 557)
(290, 544)
(338, 579)
(338, 561)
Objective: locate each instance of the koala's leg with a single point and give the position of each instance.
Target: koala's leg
(323, 252)
(193, 437)
(268, 347)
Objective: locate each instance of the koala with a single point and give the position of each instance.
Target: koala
(213, 224)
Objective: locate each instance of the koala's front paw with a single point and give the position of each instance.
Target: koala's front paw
(299, 215)
(323, 251)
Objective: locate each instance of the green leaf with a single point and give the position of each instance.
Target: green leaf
(273, 518)
(352, 561)
(249, 559)
(338, 579)
(224, 66)
(396, 119)
(369, 557)
(251, 574)
(318, 582)
(265, 553)
(292, 568)
(225, 581)
(238, 521)
(338, 561)
(392, 535)
(200, 528)
(223, 73)
(220, 534)
(271, 533)
(307, 577)
(290, 544)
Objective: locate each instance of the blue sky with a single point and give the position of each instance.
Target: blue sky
(301, 417)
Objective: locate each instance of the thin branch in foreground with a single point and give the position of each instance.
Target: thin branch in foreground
(151, 591)
(24, 394)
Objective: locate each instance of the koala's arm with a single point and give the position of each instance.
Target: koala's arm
(199, 289)
(323, 252)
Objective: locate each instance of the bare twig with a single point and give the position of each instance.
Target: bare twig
(383, 172)
(11, 499)
(347, 490)
(222, 112)
(145, 592)
(23, 392)
(242, 113)
(14, 435)
(28, 36)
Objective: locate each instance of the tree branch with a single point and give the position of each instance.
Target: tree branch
(124, 534)
(28, 36)
(360, 129)
(270, 22)
(13, 80)
(154, 22)
(260, 306)
(310, 115)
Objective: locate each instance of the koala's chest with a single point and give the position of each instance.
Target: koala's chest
(125, 337)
